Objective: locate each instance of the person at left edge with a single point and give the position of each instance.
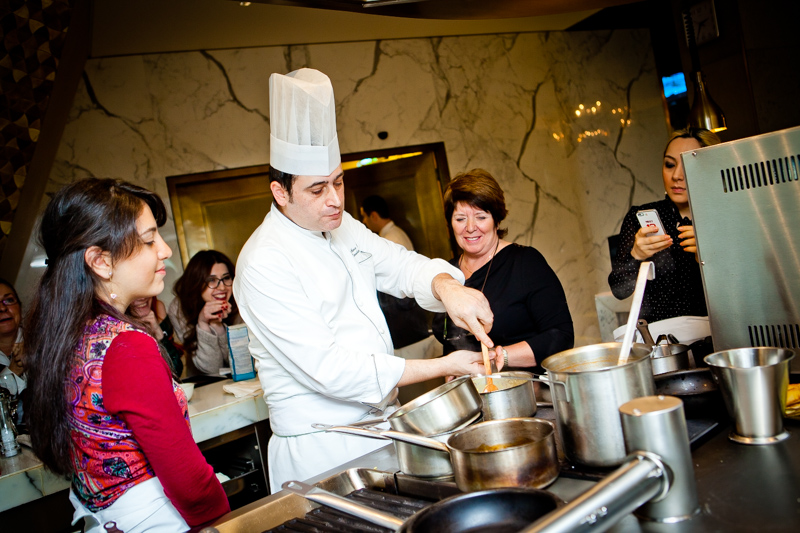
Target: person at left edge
(105, 408)
(306, 286)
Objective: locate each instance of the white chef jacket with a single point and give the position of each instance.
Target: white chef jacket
(321, 343)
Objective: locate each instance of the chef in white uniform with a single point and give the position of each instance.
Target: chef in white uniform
(306, 284)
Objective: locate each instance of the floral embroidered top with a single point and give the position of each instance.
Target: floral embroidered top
(107, 457)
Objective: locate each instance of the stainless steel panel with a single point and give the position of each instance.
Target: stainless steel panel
(745, 202)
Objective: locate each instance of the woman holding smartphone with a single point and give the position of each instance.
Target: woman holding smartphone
(104, 407)
(677, 289)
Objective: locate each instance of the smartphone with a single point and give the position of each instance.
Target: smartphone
(649, 220)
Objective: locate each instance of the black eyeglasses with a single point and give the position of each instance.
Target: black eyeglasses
(213, 282)
(10, 301)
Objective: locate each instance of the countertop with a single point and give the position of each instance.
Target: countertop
(212, 412)
(740, 488)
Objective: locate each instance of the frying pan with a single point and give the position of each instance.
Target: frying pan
(489, 511)
(697, 389)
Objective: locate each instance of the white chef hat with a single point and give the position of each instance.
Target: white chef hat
(302, 115)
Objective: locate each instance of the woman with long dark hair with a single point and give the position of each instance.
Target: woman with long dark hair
(203, 308)
(103, 403)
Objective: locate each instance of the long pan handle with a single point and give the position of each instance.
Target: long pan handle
(321, 496)
(352, 430)
(410, 438)
(419, 440)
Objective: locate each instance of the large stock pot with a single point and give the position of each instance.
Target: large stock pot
(588, 386)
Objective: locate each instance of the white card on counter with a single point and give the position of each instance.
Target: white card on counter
(239, 345)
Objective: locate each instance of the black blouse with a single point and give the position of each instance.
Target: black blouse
(677, 289)
(528, 303)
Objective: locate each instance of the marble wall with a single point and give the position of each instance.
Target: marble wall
(570, 123)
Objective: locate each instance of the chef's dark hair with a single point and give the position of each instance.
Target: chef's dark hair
(284, 178)
(189, 290)
(86, 213)
(479, 189)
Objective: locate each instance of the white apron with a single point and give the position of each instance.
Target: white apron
(143, 508)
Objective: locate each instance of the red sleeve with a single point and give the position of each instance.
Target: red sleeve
(137, 386)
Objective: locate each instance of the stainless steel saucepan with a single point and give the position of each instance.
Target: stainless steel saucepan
(413, 459)
(514, 452)
(514, 397)
(666, 356)
(440, 410)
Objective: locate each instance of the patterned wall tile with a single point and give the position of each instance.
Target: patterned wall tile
(31, 42)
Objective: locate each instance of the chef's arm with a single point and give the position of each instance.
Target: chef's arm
(467, 307)
(459, 363)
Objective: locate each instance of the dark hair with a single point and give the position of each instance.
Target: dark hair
(285, 179)
(701, 135)
(86, 213)
(479, 189)
(189, 289)
(375, 203)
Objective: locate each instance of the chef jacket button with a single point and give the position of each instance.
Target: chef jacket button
(381, 331)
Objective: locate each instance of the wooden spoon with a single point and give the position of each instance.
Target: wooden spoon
(490, 386)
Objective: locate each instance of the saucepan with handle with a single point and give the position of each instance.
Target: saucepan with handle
(440, 410)
(514, 452)
(668, 356)
(491, 511)
(413, 459)
(513, 397)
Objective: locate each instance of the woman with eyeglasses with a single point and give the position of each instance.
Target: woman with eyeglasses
(12, 376)
(105, 410)
(201, 311)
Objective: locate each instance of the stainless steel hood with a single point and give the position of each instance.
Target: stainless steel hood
(453, 9)
(745, 200)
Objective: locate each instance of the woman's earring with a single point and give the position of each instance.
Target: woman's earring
(110, 273)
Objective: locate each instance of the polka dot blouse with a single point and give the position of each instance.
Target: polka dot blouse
(677, 289)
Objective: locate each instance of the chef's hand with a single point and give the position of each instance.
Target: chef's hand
(464, 362)
(458, 363)
(646, 246)
(212, 315)
(468, 308)
(687, 240)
